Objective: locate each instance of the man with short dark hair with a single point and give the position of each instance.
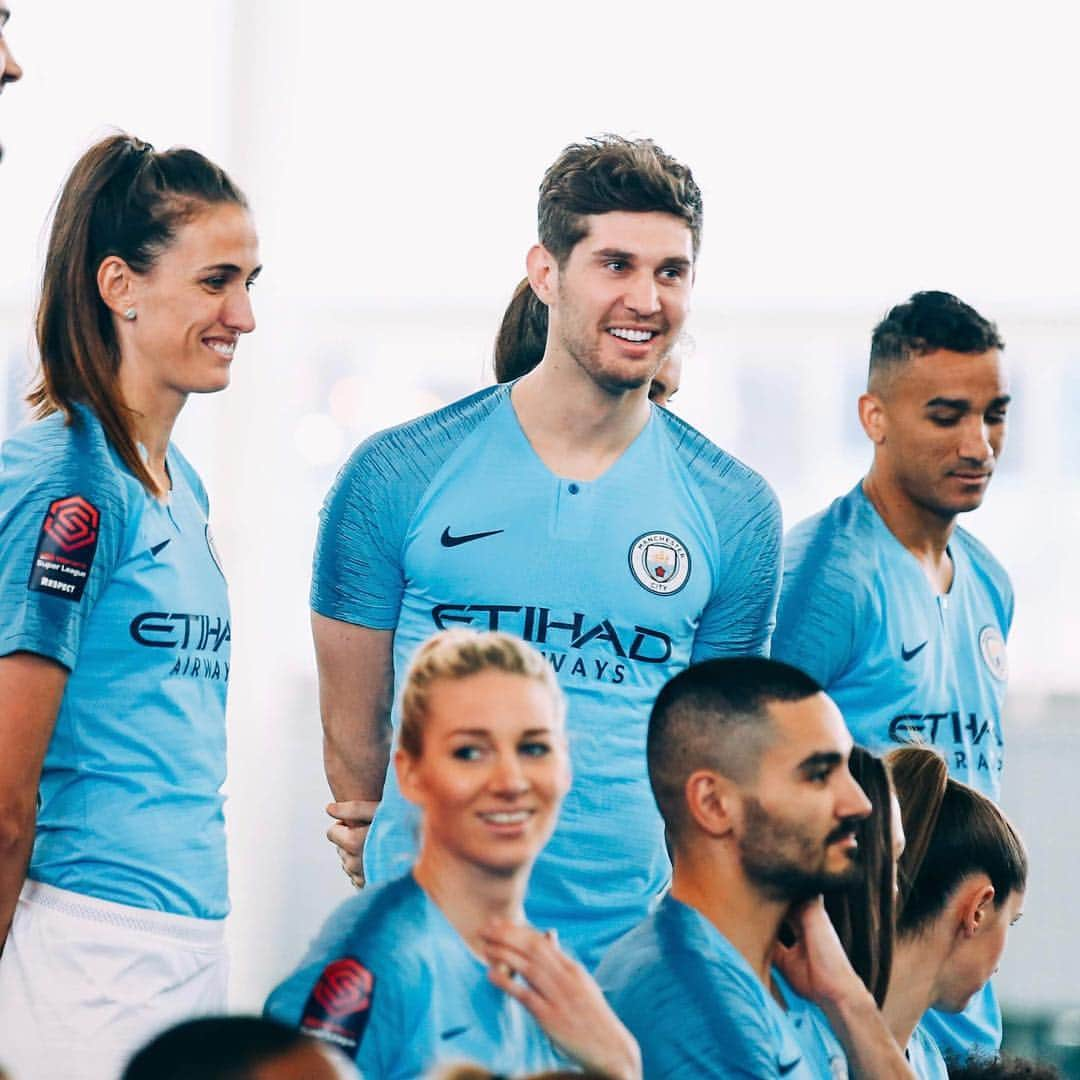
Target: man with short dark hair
(10, 71)
(748, 761)
(236, 1048)
(900, 614)
(568, 510)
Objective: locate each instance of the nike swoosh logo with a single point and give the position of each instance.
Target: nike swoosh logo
(452, 1033)
(909, 654)
(466, 538)
(160, 547)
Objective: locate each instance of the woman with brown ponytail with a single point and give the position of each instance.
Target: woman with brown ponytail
(962, 878)
(114, 620)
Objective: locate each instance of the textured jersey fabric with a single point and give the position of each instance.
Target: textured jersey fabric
(671, 556)
(814, 1033)
(977, 1029)
(904, 664)
(391, 983)
(126, 592)
(695, 1005)
(924, 1056)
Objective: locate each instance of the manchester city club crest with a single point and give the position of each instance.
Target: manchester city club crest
(992, 647)
(659, 563)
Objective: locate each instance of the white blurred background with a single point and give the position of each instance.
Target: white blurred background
(849, 154)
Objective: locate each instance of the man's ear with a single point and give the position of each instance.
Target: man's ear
(872, 417)
(712, 801)
(975, 902)
(116, 285)
(543, 271)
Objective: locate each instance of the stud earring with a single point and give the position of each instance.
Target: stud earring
(130, 314)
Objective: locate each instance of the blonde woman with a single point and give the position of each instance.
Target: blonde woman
(439, 965)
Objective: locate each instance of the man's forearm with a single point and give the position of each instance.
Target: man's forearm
(357, 771)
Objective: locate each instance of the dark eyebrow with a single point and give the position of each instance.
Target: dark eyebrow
(824, 757)
(230, 268)
(962, 404)
(613, 254)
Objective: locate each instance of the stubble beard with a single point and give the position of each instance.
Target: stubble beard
(576, 342)
(785, 863)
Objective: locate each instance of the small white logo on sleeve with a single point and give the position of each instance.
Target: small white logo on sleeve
(659, 563)
(992, 647)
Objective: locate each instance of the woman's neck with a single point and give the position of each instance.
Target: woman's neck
(153, 414)
(470, 896)
(916, 967)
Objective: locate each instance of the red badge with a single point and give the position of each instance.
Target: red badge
(339, 1006)
(72, 523)
(65, 548)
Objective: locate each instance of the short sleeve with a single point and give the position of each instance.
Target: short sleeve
(358, 575)
(61, 532)
(740, 615)
(338, 1000)
(817, 620)
(350, 992)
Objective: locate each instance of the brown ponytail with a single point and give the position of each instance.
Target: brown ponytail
(864, 915)
(123, 199)
(952, 831)
(522, 337)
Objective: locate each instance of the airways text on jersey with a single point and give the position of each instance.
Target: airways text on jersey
(975, 744)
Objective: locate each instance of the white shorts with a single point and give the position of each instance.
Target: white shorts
(84, 983)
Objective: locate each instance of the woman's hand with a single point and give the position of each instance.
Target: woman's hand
(352, 822)
(562, 996)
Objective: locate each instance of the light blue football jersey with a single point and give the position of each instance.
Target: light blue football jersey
(821, 1048)
(695, 1005)
(127, 593)
(924, 1056)
(671, 556)
(391, 983)
(904, 664)
(977, 1029)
